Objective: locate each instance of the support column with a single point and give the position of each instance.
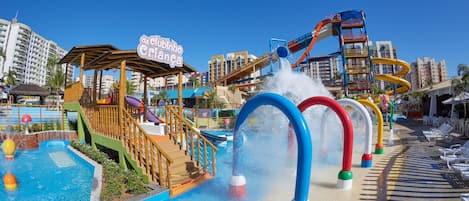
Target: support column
(432, 106)
(95, 79)
(145, 98)
(66, 76)
(82, 64)
(180, 91)
(122, 95)
(100, 82)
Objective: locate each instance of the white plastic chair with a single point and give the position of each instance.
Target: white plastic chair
(460, 159)
(454, 149)
(443, 131)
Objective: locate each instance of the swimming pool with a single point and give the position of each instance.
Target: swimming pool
(51, 172)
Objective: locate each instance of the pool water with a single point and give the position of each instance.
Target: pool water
(258, 175)
(51, 172)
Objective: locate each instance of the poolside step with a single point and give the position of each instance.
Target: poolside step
(62, 159)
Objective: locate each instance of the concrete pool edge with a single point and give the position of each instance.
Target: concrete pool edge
(97, 175)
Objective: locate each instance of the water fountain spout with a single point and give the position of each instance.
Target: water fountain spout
(26, 118)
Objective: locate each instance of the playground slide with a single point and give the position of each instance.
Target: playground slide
(322, 30)
(135, 102)
(405, 85)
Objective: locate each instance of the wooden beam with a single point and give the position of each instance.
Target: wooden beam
(122, 93)
(100, 82)
(180, 91)
(66, 76)
(95, 79)
(82, 64)
(145, 98)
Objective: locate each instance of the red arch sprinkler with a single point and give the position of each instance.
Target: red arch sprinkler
(345, 175)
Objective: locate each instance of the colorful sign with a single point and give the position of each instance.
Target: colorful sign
(164, 50)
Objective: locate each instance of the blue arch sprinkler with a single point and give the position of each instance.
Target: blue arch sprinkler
(237, 186)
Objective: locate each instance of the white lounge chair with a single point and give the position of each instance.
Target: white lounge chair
(454, 149)
(465, 197)
(444, 131)
(451, 159)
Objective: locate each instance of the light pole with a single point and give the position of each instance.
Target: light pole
(391, 131)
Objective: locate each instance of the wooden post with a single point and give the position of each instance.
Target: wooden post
(19, 117)
(100, 82)
(122, 95)
(66, 75)
(82, 64)
(180, 92)
(145, 98)
(40, 116)
(63, 118)
(95, 79)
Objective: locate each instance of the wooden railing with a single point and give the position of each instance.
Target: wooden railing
(149, 156)
(153, 160)
(104, 119)
(73, 92)
(356, 52)
(189, 139)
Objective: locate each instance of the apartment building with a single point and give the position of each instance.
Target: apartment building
(106, 87)
(426, 71)
(221, 65)
(324, 68)
(27, 53)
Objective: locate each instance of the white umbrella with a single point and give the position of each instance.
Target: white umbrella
(461, 98)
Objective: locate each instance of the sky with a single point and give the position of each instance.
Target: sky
(432, 28)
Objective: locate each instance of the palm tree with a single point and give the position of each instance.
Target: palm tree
(55, 76)
(463, 69)
(129, 88)
(211, 97)
(11, 78)
(162, 95)
(461, 86)
(4, 56)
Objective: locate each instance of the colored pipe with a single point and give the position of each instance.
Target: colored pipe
(303, 137)
(367, 156)
(379, 148)
(345, 175)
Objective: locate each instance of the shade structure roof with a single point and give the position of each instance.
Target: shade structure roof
(91, 53)
(29, 90)
(152, 69)
(461, 98)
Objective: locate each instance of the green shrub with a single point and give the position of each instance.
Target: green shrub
(117, 179)
(135, 184)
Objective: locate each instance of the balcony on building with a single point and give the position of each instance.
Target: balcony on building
(356, 52)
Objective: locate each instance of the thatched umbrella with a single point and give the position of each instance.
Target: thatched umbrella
(29, 90)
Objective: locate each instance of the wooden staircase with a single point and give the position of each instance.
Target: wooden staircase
(161, 158)
(184, 172)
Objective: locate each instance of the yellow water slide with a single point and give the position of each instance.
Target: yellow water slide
(396, 78)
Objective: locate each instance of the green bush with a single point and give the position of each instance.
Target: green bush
(117, 179)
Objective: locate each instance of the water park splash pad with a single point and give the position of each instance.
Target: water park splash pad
(281, 165)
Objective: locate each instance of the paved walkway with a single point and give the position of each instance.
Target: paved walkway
(412, 171)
